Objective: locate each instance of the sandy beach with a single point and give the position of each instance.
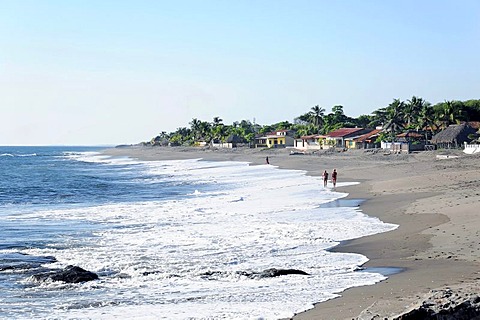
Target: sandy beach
(433, 200)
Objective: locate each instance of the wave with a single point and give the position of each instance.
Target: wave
(26, 155)
(18, 155)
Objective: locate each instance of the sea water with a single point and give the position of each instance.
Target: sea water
(169, 239)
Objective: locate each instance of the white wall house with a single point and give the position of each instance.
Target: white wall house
(471, 148)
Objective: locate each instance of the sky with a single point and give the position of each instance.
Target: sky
(106, 72)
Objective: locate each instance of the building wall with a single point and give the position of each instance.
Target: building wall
(309, 144)
(350, 144)
(471, 148)
(275, 141)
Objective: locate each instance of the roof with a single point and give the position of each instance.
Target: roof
(367, 135)
(342, 132)
(273, 133)
(274, 136)
(474, 124)
(410, 134)
(312, 136)
(454, 133)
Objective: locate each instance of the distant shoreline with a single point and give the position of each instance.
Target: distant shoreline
(413, 191)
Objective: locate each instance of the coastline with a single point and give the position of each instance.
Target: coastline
(433, 202)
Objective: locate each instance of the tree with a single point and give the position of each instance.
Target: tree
(415, 113)
(304, 130)
(181, 136)
(449, 112)
(195, 126)
(283, 125)
(339, 115)
(316, 116)
(472, 109)
(266, 129)
(364, 121)
(303, 119)
(379, 117)
(412, 110)
(330, 123)
(161, 140)
(205, 129)
(394, 118)
(217, 121)
(426, 119)
(219, 132)
(217, 129)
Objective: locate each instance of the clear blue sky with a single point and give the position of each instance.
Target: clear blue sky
(110, 72)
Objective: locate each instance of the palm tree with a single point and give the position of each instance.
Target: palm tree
(379, 117)
(339, 115)
(394, 118)
(426, 119)
(217, 121)
(195, 127)
(217, 129)
(451, 113)
(316, 116)
(303, 119)
(330, 123)
(283, 125)
(205, 129)
(412, 109)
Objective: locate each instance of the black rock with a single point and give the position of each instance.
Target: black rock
(271, 273)
(71, 274)
(267, 273)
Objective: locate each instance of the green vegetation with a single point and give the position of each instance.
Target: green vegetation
(414, 114)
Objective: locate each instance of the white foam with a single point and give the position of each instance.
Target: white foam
(18, 155)
(151, 255)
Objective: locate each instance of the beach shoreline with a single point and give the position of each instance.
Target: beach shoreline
(432, 201)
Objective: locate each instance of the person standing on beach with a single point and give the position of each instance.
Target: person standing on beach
(266, 160)
(334, 177)
(325, 178)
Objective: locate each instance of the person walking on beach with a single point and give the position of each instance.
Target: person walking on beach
(325, 178)
(266, 160)
(334, 177)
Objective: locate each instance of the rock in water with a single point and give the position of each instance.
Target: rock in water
(71, 274)
(270, 273)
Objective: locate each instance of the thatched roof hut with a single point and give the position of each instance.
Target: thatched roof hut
(453, 136)
(233, 138)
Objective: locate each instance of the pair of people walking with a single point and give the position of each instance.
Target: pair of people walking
(334, 178)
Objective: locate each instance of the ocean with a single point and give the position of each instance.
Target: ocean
(186, 239)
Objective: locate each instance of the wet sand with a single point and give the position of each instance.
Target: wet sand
(434, 201)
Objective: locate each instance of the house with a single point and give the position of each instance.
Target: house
(471, 148)
(407, 142)
(232, 141)
(368, 140)
(311, 142)
(337, 138)
(454, 136)
(474, 146)
(276, 139)
(409, 136)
